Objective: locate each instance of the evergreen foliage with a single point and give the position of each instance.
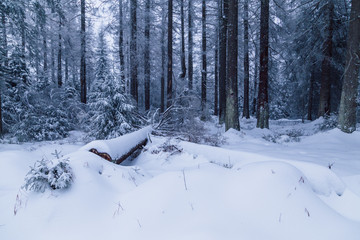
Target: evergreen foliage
(111, 110)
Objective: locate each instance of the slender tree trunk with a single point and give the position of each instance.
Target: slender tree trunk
(147, 56)
(348, 105)
(232, 105)
(190, 46)
(170, 52)
(204, 63)
(163, 30)
(222, 59)
(256, 71)
(246, 112)
(324, 101)
(121, 46)
(182, 54)
(263, 106)
(133, 51)
(4, 62)
(59, 70)
(216, 73)
(83, 54)
(311, 93)
(45, 57)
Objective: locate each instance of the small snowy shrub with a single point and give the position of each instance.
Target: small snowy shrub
(37, 178)
(42, 177)
(330, 122)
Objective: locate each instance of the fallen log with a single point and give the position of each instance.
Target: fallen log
(119, 149)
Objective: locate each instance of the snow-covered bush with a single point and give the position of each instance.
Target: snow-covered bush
(42, 177)
(329, 122)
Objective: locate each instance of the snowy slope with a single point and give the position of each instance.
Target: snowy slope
(251, 187)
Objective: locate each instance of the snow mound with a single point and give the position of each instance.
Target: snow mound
(118, 146)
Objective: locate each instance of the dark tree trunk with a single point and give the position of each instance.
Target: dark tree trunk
(254, 106)
(182, 54)
(83, 53)
(216, 73)
(147, 56)
(232, 105)
(203, 53)
(121, 46)
(45, 57)
(311, 93)
(3, 62)
(133, 51)
(348, 105)
(246, 112)
(163, 30)
(170, 53)
(190, 46)
(222, 59)
(263, 106)
(59, 69)
(324, 101)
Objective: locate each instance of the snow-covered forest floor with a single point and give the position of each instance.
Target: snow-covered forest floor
(293, 181)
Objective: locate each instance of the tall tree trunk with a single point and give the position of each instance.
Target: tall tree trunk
(256, 68)
(133, 51)
(182, 54)
(163, 30)
(232, 105)
(347, 111)
(246, 112)
(3, 62)
(147, 56)
(311, 93)
(190, 46)
(170, 51)
(59, 70)
(204, 63)
(216, 73)
(263, 104)
(121, 46)
(45, 57)
(83, 55)
(324, 101)
(222, 59)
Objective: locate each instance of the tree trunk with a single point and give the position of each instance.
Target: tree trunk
(216, 73)
(263, 107)
(204, 67)
(170, 52)
(147, 56)
(83, 53)
(311, 93)
(182, 54)
(59, 69)
(121, 46)
(163, 30)
(347, 111)
(3, 62)
(45, 57)
(222, 60)
(324, 101)
(232, 111)
(190, 46)
(133, 51)
(246, 112)
(256, 68)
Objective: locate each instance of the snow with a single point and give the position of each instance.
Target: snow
(259, 184)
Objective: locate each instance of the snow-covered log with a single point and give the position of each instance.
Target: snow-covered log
(119, 149)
